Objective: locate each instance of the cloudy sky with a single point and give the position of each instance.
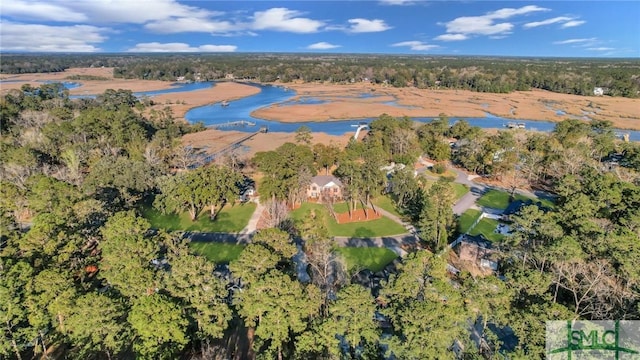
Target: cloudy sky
(516, 28)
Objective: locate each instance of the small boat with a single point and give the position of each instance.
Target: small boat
(513, 125)
(224, 103)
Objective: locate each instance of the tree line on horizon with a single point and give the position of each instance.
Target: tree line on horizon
(83, 275)
(619, 77)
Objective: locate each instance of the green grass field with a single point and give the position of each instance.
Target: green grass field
(373, 228)
(230, 219)
(486, 227)
(467, 219)
(459, 189)
(217, 252)
(387, 204)
(500, 200)
(341, 207)
(374, 259)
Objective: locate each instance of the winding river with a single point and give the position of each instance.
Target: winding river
(241, 109)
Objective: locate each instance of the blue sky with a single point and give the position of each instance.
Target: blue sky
(504, 28)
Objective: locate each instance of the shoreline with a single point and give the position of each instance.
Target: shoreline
(534, 105)
(336, 102)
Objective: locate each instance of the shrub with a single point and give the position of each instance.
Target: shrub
(439, 168)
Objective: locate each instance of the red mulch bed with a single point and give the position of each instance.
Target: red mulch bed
(358, 216)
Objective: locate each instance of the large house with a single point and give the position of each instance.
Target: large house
(325, 188)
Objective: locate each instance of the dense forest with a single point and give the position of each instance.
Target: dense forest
(496, 75)
(83, 275)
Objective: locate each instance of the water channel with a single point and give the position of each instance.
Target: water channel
(241, 109)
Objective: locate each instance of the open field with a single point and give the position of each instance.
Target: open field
(363, 229)
(218, 253)
(374, 259)
(497, 199)
(230, 219)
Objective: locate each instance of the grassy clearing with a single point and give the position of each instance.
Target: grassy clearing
(494, 199)
(486, 227)
(387, 204)
(500, 200)
(467, 219)
(372, 228)
(341, 207)
(374, 259)
(460, 190)
(217, 252)
(230, 219)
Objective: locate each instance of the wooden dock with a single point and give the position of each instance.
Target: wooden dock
(234, 145)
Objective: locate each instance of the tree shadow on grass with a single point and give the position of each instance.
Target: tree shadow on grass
(363, 232)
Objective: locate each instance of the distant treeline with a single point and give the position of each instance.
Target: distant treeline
(617, 77)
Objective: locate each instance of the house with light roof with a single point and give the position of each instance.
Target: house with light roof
(325, 188)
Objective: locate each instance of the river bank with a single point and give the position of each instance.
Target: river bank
(317, 102)
(323, 102)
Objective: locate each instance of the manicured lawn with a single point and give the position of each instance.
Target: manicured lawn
(500, 200)
(386, 203)
(341, 207)
(300, 213)
(374, 259)
(467, 219)
(217, 252)
(494, 199)
(460, 190)
(373, 228)
(486, 227)
(230, 219)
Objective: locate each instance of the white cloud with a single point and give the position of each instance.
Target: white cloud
(572, 23)
(136, 12)
(416, 45)
(451, 37)
(45, 38)
(547, 22)
(510, 12)
(283, 19)
(575, 41)
(40, 11)
(486, 24)
(365, 25)
(322, 46)
(396, 2)
(178, 25)
(477, 25)
(180, 47)
(600, 49)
